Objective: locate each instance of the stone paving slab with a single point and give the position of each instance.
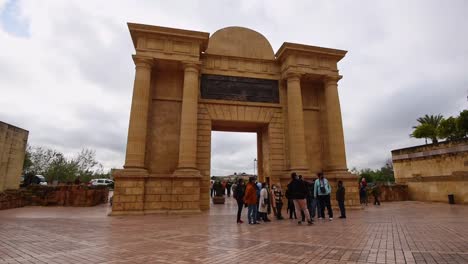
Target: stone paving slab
(399, 232)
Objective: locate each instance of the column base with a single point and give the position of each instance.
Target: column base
(186, 173)
(129, 191)
(350, 182)
(160, 212)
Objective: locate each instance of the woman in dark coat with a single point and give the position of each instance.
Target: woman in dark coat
(239, 196)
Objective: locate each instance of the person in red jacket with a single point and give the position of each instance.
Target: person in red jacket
(250, 199)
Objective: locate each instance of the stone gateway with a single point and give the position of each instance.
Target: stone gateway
(188, 84)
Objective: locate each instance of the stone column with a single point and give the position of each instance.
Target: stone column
(297, 149)
(135, 157)
(188, 124)
(336, 158)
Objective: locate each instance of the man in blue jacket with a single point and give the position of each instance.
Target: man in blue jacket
(322, 190)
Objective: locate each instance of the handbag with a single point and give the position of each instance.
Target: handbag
(322, 187)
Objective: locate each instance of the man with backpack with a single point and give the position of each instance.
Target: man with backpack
(322, 191)
(298, 193)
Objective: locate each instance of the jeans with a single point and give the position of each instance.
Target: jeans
(240, 204)
(313, 207)
(342, 208)
(301, 206)
(252, 213)
(376, 200)
(292, 210)
(279, 206)
(324, 201)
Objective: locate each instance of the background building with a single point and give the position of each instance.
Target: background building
(13, 142)
(434, 171)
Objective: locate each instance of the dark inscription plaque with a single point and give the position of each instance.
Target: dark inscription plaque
(239, 89)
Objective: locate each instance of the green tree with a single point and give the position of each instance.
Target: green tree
(56, 167)
(427, 127)
(383, 175)
(61, 169)
(41, 159)
(425, 131)
(449, 129)
(462, 123)
(27, 164)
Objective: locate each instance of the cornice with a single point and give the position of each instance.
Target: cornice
(288, 48)
(199, 36)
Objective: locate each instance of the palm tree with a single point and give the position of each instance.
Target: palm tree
(427, 127)
(433, 120)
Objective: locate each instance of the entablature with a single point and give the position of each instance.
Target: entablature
(242, 67)
(168, 43)
(305, 59)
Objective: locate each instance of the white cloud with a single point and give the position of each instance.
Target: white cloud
(69, 79)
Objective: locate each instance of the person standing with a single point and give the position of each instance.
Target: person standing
(290, 208)
(322, 191)
(363, 191)
(263, 203)
(340, 198)
(250, 199)
(228, 188)
(311, 200)
(238, 194)
(298, 193)
(277, 196)
(376, 194)
(315, 203)
(273, 199)
(211, 188)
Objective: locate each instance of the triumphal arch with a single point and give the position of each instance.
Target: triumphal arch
(188, 83)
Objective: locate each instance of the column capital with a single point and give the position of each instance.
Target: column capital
(141, 61)
(191, 66)
(293, 76)
(332, 79)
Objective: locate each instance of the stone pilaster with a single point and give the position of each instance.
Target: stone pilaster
(135, 157)
(335, 160)
(297, 149)
(187, 165)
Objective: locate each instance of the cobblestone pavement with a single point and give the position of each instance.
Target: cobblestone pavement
(400, 232)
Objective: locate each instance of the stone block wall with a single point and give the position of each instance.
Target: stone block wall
(156, 195)
(13, 142)
(128, 195)
(434, 171)
(395, 192)
(438, 191)
(67, 195)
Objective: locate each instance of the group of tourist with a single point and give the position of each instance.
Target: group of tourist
(305, 199)
(363, 189)
(226, 186)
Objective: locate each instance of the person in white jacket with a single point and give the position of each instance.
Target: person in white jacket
(263, 203)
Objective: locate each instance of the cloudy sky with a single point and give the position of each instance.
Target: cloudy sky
(66, 73)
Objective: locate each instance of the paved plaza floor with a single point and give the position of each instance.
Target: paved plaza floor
(399, 232)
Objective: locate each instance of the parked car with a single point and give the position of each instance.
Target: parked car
(30, 178)
(39, 179)
(101, 182)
